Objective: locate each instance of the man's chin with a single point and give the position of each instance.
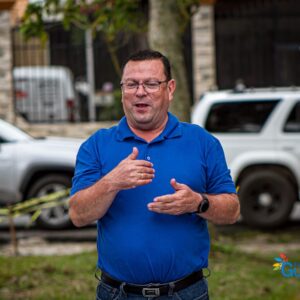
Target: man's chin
(144, 123)
(143, 119)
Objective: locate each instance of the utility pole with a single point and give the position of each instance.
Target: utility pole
(90, 70)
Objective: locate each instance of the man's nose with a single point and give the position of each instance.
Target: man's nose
(140, 89)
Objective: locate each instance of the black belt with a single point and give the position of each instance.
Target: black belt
(154, 289)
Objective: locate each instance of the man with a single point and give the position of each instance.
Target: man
(151, 183)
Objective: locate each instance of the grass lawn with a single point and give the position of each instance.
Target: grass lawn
(235, 275)
(48, 277)
(239, 276)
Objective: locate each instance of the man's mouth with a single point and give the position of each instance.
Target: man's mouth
(141, 105)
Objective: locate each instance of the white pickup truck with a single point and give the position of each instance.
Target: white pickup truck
(260, 133)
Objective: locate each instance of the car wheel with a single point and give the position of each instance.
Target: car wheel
(267, 199)
(56, 217)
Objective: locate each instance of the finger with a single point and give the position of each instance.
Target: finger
(138, 182)
(171, 210)
(162, 205)
(145, 170)
(177, 186)
(143, 182)
(143, 163)
(144, 176)
(165, 198)
(158, 208)
(134, 154)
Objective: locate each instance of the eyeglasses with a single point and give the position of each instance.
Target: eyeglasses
(150, 86)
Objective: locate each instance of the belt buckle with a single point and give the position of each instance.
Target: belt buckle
(151, 292)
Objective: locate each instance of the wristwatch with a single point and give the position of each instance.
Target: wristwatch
(204, 204)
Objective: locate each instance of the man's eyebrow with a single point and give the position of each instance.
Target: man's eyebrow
(146, 79)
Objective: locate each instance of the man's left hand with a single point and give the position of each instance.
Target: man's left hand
(184, 200)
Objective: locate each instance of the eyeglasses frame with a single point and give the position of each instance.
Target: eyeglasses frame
(137, 87)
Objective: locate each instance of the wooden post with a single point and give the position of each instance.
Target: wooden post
(13, 234)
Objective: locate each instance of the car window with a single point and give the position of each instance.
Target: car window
(235, 116)
(10, 133)
(293, 121)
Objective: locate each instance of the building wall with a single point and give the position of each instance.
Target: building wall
(253, 41)
(6, 103)
(257, 42)
(10, 14)
(18, 11)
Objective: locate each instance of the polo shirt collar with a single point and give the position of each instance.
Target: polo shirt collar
(172, 130)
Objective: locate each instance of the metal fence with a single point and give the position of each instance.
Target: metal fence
(50, 97)
(50, 81)
(258, 42)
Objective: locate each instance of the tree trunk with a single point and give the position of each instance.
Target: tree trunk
(165, 35)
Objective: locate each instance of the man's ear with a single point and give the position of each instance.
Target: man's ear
(171, 89)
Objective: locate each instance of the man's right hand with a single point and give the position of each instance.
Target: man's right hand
(91, 204)
(131, 172)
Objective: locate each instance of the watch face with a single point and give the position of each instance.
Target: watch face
(204, 205)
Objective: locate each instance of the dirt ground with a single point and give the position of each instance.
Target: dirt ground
(246, 241)
(39, 246)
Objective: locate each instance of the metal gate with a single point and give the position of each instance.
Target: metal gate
(258, 41)
(66, 50)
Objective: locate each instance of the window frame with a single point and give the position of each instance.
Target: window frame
(294, 107)
(275, 102)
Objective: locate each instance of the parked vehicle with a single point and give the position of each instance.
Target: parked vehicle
(45, 93)
(32, 167)
(260, 133)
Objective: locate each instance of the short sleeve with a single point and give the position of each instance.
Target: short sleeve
(88, 166)
(218, 175)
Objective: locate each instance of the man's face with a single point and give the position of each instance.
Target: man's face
(146, 110)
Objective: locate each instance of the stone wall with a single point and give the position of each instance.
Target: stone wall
(75, 130)
(6, 103)
(203, 37)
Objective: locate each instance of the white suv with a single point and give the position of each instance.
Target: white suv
(260, 133)
(32, 168)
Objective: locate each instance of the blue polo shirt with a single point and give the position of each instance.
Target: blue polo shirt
(134, 244)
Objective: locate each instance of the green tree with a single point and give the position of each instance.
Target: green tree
(167, 22)
(109, 17)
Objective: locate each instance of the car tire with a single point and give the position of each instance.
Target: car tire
(56, 217)
(267, 199)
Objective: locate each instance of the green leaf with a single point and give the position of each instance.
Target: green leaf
(4, 212)
(35, 216)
